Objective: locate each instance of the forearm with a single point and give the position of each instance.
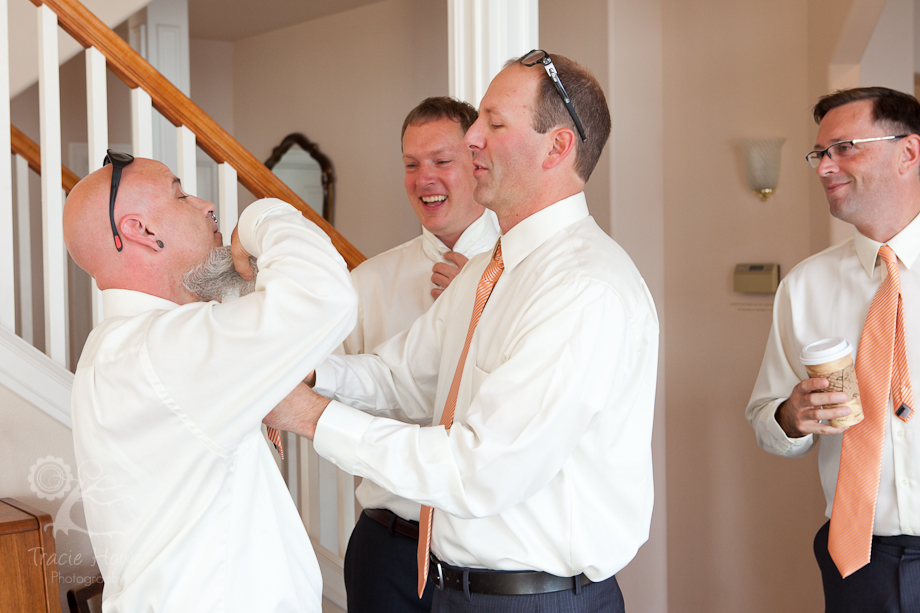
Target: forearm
(298, 412)
(400, 381)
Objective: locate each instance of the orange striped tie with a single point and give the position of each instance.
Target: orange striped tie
(275, 437)
(486, 284)
(881, 370)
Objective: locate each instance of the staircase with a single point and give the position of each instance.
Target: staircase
(324, 496)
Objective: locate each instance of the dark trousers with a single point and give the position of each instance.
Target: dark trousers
(602, 597)
(890, 583)
(380, 571)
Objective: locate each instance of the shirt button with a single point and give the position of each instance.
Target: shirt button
(905, 482)
(901, 433)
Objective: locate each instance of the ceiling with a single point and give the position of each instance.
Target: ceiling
(232, 20)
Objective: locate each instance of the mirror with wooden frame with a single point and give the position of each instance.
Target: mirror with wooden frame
(305, 169)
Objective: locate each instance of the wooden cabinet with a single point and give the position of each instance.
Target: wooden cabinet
(28, 566)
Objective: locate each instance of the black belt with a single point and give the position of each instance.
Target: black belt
(899, 540)
(500, 583)
(394, 522)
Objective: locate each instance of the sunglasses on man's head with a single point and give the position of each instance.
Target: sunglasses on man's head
(539, 56)
(118, 160)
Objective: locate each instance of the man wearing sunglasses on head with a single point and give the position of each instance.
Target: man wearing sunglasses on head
(536, 369)
(171, 389)
(866, 291)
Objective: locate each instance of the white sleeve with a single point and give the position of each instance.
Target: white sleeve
(774, 384)
(574, 368)
(227, 365)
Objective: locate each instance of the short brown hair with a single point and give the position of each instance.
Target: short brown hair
(590, 104)
(441, 107)
(900, 111)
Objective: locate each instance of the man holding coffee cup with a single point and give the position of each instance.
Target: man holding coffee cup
(862, 293)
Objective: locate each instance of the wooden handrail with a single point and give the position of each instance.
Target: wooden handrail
(29, 149)
(135, 71)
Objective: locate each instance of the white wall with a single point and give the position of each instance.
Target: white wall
(212, 79)
(740, 521)
(637, 206)
(889, 59)
(347, 82)
(34, 444)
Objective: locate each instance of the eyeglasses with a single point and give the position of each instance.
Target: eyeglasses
(843, 149)
(538, 56)
(118, 160)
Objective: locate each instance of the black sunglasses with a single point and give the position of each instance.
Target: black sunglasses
(539, 56)
(118, 160)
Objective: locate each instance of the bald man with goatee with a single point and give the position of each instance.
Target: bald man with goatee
(172, 387)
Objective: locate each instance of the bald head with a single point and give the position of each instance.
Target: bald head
(150, 210)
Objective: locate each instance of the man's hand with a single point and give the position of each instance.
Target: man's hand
(298, 412)
(443, 274)
(240, 256)
(802, 412)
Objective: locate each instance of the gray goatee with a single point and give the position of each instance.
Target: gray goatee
(217, 279)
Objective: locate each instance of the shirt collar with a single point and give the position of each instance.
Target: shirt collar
(128, 303)
(521, 240)
(479, 236)
(905, 244)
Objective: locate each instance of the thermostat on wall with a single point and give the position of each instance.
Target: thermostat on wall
(756, 278)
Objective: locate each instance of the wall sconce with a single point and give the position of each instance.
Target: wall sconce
(761, 164)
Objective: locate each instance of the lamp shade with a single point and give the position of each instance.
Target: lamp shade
(761, 163)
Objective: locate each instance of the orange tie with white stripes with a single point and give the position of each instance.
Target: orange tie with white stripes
(486, 284)
(881, 369)
(275, 437)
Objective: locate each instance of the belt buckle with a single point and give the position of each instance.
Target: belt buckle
(440, 577)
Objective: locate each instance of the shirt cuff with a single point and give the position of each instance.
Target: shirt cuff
(250, 218)
(339, 433)
(778, 440)
(325, 380)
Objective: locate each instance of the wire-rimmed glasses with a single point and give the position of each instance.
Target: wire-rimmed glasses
(843, 149)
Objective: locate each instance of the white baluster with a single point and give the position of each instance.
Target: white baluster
(346, 491)
(24, 214)
(141, 123)
(291, 466)
(55, 260)
(7, 263)
(97, 127)
(187, 162)
(310, 498)
(97, 114)
(227, 200)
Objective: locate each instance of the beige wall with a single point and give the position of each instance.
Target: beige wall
(347, 81)
(29, 438)
(740, 521)
(211, 69)
(578, 30)
(684, 80)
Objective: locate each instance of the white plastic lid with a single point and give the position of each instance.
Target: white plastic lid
(826, 350)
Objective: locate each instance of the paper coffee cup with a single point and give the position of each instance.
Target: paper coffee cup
(832, 359)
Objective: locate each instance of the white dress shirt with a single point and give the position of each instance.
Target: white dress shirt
(185, 507)
(548, 464)
(829, 295)
(394, 289)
